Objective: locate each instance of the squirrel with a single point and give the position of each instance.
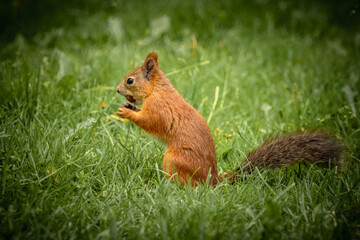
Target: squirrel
(190, 149)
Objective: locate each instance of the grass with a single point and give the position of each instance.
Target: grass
(253, 70)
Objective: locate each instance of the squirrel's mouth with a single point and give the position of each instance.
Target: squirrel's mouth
(130, 98)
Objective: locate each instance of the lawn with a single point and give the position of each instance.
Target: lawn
(70, 169)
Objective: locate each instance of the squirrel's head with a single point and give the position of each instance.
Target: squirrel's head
(138, 84)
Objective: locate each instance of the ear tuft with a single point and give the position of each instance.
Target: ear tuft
(150, 65)
(152, 55)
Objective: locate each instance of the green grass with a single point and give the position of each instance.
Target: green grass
(70, 171)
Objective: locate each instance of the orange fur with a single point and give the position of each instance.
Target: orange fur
(165, 114)
(190, 149)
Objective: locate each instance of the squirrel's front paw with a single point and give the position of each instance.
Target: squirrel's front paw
(124, 112)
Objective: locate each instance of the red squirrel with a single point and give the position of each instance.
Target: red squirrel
(190, 150)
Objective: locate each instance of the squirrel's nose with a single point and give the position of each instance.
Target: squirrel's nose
(118, 90)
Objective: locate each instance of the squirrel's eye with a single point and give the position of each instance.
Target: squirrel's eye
(130, 81)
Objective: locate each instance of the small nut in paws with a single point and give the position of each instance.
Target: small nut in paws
(131, 107)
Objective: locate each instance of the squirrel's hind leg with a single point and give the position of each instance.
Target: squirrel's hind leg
(177, 169)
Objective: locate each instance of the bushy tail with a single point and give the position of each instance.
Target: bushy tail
(314, 147)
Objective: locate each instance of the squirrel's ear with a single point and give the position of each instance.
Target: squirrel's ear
(150, 65)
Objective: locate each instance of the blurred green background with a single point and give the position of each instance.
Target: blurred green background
(32, 17)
